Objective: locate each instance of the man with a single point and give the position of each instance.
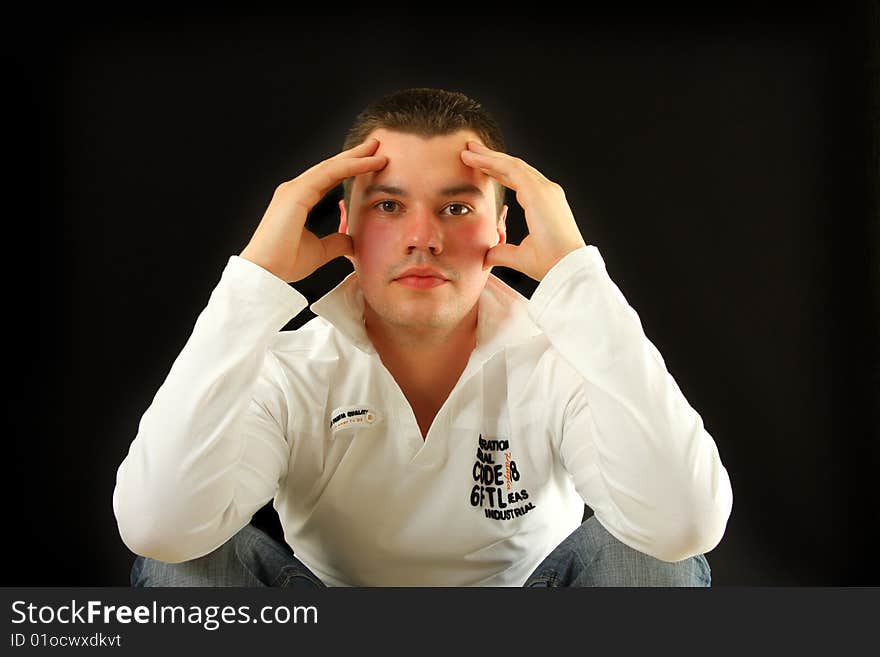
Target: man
(431, 426)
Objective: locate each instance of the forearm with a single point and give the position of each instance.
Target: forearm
(652, 471)
(182, 487)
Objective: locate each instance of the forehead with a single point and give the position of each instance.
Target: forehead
(413, 158)
(392, 142)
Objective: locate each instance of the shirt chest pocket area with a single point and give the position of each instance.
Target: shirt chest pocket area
(506, 433)
(490, 407)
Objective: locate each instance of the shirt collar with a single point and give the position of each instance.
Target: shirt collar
(502, 318)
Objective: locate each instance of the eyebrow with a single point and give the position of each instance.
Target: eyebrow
(453, 190)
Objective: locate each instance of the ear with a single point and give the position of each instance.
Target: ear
(343, 220)
(343, 224)
(502, 226)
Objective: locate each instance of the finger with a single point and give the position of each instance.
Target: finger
(503, 170)
(336, 171)
(368, 146)
(503, 255)
(480, 149)
(336, 245)
(365, 148)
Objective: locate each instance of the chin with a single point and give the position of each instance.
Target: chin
(426, 318)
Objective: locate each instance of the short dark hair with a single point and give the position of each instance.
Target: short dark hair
(426, 112)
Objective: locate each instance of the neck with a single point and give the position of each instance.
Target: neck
(423, 357)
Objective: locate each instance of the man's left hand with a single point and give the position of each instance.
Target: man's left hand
(553, 232)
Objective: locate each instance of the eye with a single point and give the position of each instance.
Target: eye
(459, 205)
(383, 203)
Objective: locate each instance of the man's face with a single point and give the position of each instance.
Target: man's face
(421, 227)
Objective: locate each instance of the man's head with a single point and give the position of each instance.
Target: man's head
(426, 112)
(425, 210)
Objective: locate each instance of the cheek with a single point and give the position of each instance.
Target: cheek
(373, 244)
(471, 241)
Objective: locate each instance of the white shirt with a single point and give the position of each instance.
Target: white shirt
(570, 399)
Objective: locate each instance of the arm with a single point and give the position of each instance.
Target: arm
(637, 451)
(213, 445)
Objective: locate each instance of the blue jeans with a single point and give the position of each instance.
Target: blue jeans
(589, 556)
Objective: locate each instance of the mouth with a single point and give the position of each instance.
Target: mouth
(421, 279)
(420, 282)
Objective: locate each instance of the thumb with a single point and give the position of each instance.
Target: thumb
(335, 245)
(503, 255)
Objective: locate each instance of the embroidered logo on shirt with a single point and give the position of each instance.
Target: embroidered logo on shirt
(497, 476)
(352, 416)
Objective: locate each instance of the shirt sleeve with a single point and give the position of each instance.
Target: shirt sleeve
(638, 453)
(212, 446)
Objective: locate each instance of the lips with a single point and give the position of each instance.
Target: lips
(421, 278)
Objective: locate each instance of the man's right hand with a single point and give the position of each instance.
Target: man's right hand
(281, 244)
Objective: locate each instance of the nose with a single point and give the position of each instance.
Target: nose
(423, 232)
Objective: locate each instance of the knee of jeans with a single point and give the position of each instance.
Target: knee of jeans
(294, 577)
(545, 579)
(146, 572)
(206, 570)
(622, 565)
(617, 562)
(704, 572)
(136, 568)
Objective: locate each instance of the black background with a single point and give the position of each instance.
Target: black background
(722, 163)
